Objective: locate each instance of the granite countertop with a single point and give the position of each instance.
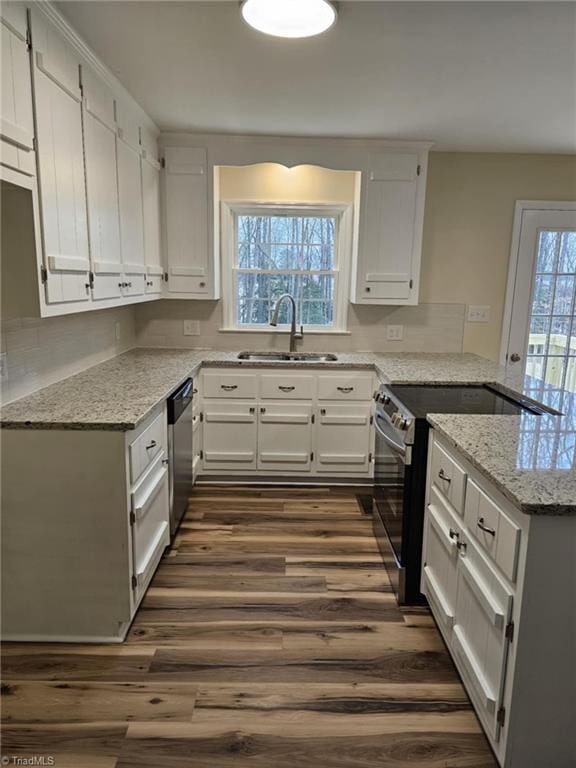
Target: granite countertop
(530, 459)
(120, 393)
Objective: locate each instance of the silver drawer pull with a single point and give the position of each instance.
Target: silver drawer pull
(228, 387)
(485, 528)
(286, 389)
(345, 390)
(453, 534)
(151, 444)
(443, 476)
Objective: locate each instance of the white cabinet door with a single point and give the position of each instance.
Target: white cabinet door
(61, 167)
(479, 641)
(16, 120)
(150, 176)
(102, 187)
(285, 437)
(189, 264)
(440, 560)
(343, 438)
(229, 435)
(388, 260)
(131, 218)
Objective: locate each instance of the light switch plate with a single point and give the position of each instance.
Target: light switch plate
(191, 328)
(478, 313)
(394, 332)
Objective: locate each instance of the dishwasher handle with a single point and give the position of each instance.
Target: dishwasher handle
(179, 401)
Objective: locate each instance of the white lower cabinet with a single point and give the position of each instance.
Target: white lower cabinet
(78, 571)
(229, 435)
(285, 437)
(271, 421)
(439, 573)
(343, 438)
(501, 587)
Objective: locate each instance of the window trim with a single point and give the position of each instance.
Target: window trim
(229, 209)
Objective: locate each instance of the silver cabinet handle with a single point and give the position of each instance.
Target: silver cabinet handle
(345, 390)
(485, 528)
(229, 387)
(453, 534)
(151, 444)
(286, 389)
(443, 476)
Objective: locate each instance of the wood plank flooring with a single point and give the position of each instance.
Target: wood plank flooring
(269, 638)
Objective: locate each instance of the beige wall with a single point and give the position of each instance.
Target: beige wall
(276, 183)
(468, 228)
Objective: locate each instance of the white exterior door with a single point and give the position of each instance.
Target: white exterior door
(539, 334)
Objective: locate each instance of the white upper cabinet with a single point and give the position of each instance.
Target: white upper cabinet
(188, 257)
(150, 178)
(131, 208)
(16, 120)
(387, 266)
(101, 186)
(60, 165)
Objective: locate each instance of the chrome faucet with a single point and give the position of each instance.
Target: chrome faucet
(294, 335)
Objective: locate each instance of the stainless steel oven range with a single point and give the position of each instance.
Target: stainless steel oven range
(401, 453)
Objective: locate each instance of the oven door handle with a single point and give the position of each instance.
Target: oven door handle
(398, 447)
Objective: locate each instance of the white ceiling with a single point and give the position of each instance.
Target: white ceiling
(481, 76)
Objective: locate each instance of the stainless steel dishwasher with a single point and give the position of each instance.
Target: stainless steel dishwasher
(180, 451)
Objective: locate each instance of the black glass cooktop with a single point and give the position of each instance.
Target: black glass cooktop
(421, 400)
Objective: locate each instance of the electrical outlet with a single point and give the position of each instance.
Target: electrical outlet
(394, 332)
(478, 313)
(3, 366)
(117, 330)
(191, 328)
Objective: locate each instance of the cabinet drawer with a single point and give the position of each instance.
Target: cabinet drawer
(146, 447)
(150, 504)
(448, 477)
(492, 529)
(350, 386)
(234, 385)
(144, 572)
(289, 386)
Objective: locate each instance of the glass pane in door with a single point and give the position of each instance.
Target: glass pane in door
(551, 353)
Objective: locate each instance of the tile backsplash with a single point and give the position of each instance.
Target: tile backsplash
(41, 351)
(427, 327)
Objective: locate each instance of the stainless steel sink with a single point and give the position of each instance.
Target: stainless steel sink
(287, 357)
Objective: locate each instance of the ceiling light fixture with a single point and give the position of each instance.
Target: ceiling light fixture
(289, 18)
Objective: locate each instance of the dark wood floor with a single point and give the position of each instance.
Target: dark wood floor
(269, 638)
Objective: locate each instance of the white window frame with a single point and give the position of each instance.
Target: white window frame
(230, 209)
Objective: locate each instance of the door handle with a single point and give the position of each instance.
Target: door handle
(484, 527)
(443, 476)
